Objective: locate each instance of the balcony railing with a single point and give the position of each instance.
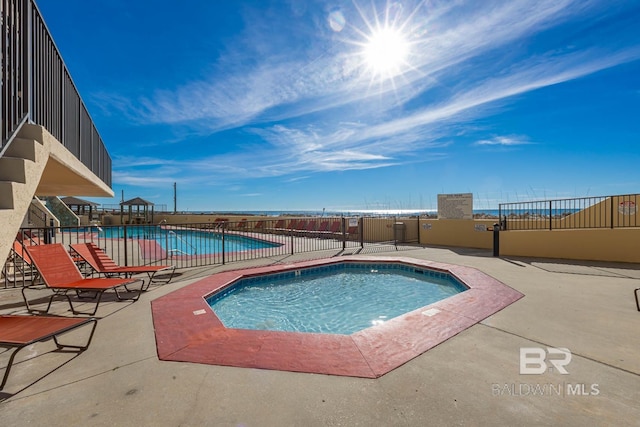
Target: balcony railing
(37, 87)
(585, 212)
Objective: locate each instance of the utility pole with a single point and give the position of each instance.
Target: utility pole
(175, 197)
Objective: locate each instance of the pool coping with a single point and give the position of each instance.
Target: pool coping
(187, 330)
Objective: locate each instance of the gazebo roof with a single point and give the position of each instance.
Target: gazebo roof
(74, 201)
(137, 201)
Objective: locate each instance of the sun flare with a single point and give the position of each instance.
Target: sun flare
(385, 43)
(386, 52)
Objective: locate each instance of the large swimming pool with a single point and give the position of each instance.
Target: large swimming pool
(338, 299)
(186, 241)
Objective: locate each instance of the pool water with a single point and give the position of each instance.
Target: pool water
(338, 299)
(186, 242)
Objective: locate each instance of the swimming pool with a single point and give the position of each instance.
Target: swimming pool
(181, 241)
(339, 299)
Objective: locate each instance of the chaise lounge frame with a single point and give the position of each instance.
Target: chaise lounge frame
(21, 331)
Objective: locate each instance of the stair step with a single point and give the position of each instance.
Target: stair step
(6, 195)
(13, 169)
(22, 148)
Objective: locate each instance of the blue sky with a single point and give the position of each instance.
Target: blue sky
(348, 105)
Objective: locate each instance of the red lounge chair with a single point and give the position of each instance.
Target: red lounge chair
(352, 232)
(220, 222)
(298, 227)
(99, 261)
(21, 331)
(324, 227)
(329, 229)
(61, 275)
(309, 229)
(335, 229)
(278, 228)
(19, 263)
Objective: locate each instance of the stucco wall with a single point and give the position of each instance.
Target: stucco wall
(618, 244)
(604, 244)
(454, 232)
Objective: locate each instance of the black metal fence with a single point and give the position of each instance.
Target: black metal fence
(562, 214)
(37, 87)
(219, 242)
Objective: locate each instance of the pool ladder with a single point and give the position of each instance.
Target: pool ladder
(195, 251)
(172, 252)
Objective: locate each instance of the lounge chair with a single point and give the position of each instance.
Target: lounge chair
(99, 261)
(298, 228)
(278, 227)
(311, 228)
(329, 229)
(19, 263)
(220, 223)
(60, 274)
(21, 331)
(324, 227)
(336, 229)
(307, 228)
(352, 232)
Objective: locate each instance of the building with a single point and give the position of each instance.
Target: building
(50, 145)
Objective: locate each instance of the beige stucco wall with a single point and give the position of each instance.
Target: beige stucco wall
(454, 232)
(604, 244)
(618, 244)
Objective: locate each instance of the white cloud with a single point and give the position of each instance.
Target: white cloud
(237, 95)
(504, 141)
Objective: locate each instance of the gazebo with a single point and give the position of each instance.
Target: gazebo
(79, 206)
(138, 210)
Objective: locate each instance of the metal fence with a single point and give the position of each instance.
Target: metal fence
(563, 214)
(219, 242)
(37, 88)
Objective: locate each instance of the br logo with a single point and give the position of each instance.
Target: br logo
(533, 360)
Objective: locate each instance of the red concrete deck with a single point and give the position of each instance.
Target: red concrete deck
(187, 330)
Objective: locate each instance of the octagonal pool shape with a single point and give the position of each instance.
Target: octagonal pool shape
(188, 330)
(342, 298)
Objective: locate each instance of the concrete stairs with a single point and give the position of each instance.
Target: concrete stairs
(21, 168)
(60, 212)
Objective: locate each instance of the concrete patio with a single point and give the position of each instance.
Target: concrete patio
(471, 379)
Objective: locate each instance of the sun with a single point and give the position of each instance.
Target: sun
(385, 52)
(386, 43)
